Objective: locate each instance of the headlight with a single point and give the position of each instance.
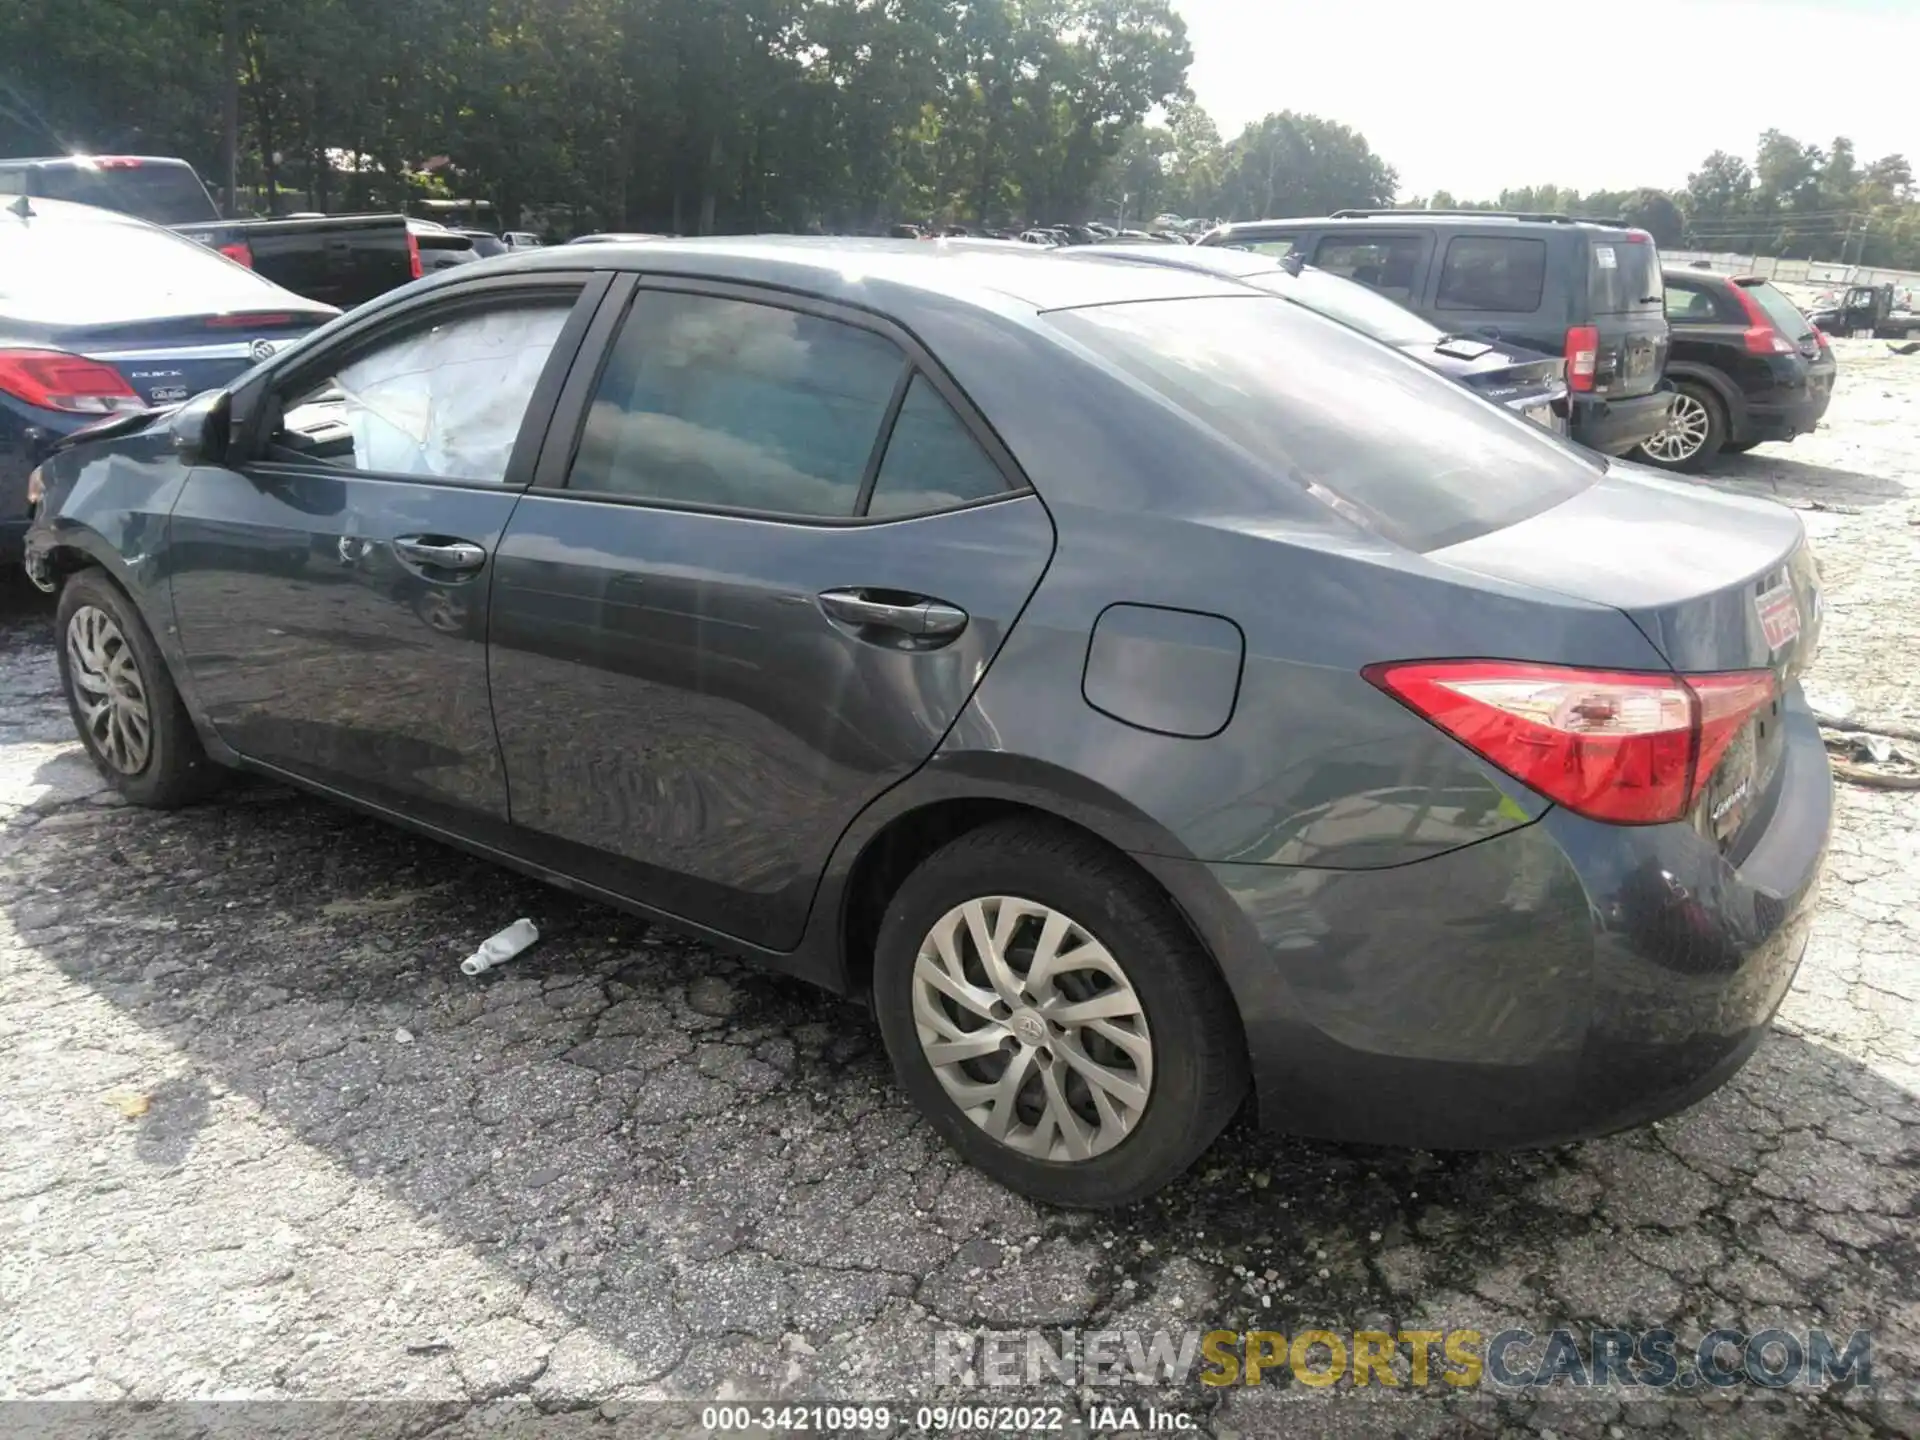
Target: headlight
(36, 486)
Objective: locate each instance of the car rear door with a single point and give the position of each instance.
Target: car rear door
(330, 581)
(769, 552)
(1626, 300)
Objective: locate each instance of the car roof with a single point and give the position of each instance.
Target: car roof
(1458, 219)
(849, 268)
(84, 160)
(1215, 259)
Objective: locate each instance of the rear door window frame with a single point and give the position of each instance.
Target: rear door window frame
(553, 471)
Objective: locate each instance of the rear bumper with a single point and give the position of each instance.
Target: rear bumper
(1783, 415)
(1556, 982)
(1615, 426)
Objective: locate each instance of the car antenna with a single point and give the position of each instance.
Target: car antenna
(23, 208)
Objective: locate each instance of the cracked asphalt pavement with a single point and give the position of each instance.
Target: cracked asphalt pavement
(260, 1137)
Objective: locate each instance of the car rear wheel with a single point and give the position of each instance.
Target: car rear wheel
(123, 701)
(1053, 1017)
(1737, 447)
(1695, 433)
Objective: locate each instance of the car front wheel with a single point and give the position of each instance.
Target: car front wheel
(1695, 433)
(1054, 1018)
(123, 701)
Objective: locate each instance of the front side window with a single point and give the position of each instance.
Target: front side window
(931, 462)
(1505, 273)
(445, 401)
(711, 401)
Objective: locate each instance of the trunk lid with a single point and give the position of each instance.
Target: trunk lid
(167, 361)
(1716, 582)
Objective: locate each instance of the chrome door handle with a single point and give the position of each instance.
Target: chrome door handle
(440, 554)
(928, 618)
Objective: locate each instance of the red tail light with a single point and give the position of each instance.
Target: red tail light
(1761, 336)
(1820, 338)
(239, 252)
(413, 255)
(55, 380)
(1583, 356)
(1626, 747)
(248, 320)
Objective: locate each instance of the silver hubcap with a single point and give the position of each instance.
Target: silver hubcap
(108, 690)
(1686, 431)
(1032, 1028)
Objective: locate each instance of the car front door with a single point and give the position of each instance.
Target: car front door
(753, 594)
(330, 579)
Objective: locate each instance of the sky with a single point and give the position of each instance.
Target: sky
(1471, 96)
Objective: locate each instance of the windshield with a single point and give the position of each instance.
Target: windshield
(66, 270)
(164, 194)
(1378, 435)
(1782, 311)
(1624, 276)
(1352, 303)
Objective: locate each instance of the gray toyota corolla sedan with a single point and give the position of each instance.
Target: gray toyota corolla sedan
(1138, 686)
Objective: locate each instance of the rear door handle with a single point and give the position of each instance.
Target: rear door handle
(437, 554)
(930, 619)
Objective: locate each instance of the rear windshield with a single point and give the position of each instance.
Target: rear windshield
(1351, 303)
(1782, 311)
(1624, 276)
(62, 270)
(1377, 435)
(164, 194)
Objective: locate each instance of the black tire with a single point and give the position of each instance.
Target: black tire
(1199, 1064)
(1737, 447)
(1711, 443)
(175, 769)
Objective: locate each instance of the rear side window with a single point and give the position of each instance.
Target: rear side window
(1493, 272)
(1277, 246)
(1690, 305)
(931, 463)
(1624, 276)
(713, 401)
(1783, 312)
(1375, 434)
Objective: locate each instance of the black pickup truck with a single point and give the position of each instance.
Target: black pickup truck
(337, 259)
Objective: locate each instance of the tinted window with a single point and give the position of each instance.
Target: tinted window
(1783, 312)
(1687, 304)
(1625, 276)
(1493, 272)
(164, 194)
(708, 401)
(446, 401)
(1387, 263)
(1394, 444)
(931, 463)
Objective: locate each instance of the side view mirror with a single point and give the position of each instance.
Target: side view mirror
(200, 428)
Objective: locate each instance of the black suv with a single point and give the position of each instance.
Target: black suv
(1748, 365)
(1583, 289)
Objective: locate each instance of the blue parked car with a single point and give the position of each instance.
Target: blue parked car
(104, 315)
